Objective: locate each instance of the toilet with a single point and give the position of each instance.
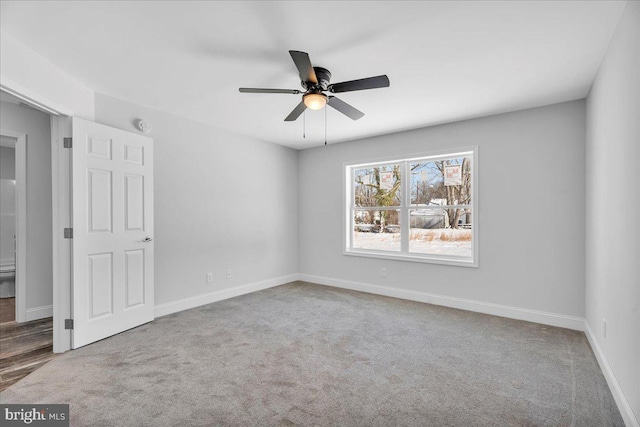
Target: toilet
(7, 280)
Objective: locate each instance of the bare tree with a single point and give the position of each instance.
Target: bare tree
(456, 194)
(371, 193)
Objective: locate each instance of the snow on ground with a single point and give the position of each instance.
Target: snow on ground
(433, 242)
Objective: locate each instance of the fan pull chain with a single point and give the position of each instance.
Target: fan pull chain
(325, 125)
(304, 124)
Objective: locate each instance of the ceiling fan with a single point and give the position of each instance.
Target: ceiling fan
(315, 81)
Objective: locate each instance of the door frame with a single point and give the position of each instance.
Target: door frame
(61, 205)
(21, 222)
(61, 217)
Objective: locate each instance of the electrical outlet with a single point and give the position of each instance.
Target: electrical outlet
(228, 274)
(383, 272)
(209, 277)
(604, 327)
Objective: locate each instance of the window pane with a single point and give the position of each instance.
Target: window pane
(441, 182)
(377, 186)
(376, 229)
(437, 231)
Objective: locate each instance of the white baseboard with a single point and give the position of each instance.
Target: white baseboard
(37, 313)
(552, 319)
(196, 301)
(628, 416)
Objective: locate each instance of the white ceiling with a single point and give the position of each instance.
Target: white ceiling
(446, 61)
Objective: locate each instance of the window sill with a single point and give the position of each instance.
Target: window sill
(430, 259)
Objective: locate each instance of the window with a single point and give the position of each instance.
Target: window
(417, 209)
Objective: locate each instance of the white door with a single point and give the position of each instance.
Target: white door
(112, 231)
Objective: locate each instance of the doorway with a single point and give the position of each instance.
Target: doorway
(26, 278)
(8, 226)
(13, 222)
(68, 189)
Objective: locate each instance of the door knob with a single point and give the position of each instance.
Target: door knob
(147, 239)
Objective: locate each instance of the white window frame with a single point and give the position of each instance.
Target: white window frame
(405, 207)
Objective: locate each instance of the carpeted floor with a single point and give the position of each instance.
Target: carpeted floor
(303, 354)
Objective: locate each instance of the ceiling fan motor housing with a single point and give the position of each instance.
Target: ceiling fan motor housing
(324, 78)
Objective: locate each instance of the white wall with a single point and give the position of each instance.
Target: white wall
(222, 201)
(30, 74)
(613, 206)
(37, 126)
(531, 210)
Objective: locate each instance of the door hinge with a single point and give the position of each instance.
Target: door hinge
(67, 142)
(68, 323)
(68, 233)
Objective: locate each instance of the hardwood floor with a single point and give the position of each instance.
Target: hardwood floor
(24, 347)
(7, 310)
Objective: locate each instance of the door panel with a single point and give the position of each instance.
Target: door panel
(99, 197)
(112, 218)
(134, 277)
(100, 277)
(134, 202)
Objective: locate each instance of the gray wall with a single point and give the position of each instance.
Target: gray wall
(37, 126)
(531, 251)
(221, 201)
(7, 163)
(613, 205)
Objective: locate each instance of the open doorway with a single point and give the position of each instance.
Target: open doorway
(74, 142)
(8, 226)
(13, 211)
(26, 277)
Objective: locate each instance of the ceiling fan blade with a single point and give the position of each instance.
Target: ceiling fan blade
(361, 84)
(303, 64)
(345, 108)
(257, 90)
(296, 112)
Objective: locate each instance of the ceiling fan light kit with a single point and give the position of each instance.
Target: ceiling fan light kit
(315, 101)
(317, 80)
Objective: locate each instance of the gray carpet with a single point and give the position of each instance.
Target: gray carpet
(303, 354)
